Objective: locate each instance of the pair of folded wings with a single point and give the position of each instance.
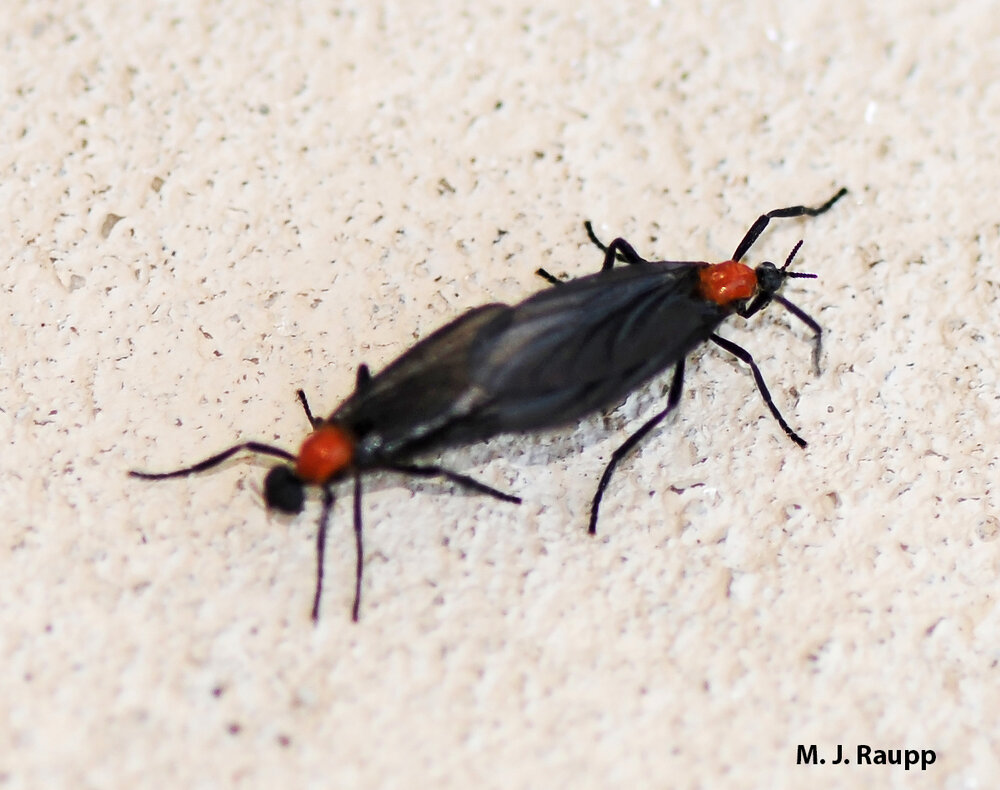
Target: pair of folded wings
(567, 351)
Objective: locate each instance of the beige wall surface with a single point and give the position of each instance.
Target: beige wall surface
(207, 205)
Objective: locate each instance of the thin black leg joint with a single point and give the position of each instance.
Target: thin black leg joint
(792, 211)
(744, 356)
(305, 405)
(324, 523)
(810, 322)
(673, 398)
(215, 460)
(459, 479)
(619, 249)
(359, 548)
(551, 279)
(364, 378)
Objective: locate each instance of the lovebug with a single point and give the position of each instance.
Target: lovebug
(584, 344)
(390, 417)
(578, 347)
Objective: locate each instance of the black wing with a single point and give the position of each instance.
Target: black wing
(584, 345)
(563, 353)
(424, 389)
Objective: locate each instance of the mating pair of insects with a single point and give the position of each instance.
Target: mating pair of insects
(575, 348)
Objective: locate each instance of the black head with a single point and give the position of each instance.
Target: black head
(284, 490)
(770, 278)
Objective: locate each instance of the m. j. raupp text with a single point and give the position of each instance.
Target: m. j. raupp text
(867, 755)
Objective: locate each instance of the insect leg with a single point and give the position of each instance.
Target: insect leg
(673, 398)
(324, 522)
(455, 477)
(619, 249)
(792, 211)
(743, 355)
(305, 405)
(358, 547)
(215, 460)
(810, 322)
(364, 378)
(551, 279)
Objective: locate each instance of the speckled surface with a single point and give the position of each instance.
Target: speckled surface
(210, 204)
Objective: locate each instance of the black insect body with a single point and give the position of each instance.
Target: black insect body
(584, 344)
(405, 409)
(563, 353)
